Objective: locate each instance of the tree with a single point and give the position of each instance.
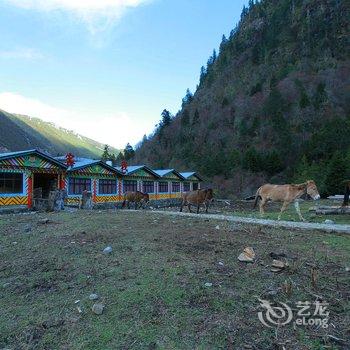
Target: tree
(128, 152)
(166, 118)
(187, 99)
(203, 74)
(105, 155)
(185, 119)
(336, 174)
(196, 117)
(223, 42)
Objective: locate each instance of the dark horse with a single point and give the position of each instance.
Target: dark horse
(346, 194)
(197, 198)
(137, 198)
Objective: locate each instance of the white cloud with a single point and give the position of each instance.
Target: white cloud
(21, 53)
(115, 129)
(98, 14)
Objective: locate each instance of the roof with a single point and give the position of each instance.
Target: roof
(188, 174)
(164, 172)
(81, 163)
(131, 169)
(8, 155)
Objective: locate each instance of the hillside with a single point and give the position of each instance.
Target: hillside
(19, 132)
(272, 105)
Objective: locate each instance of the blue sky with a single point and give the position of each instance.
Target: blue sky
(106, 68)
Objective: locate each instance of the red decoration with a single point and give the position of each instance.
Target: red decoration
(70, 159)
(124, 166)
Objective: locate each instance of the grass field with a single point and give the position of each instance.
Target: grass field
(153, 284)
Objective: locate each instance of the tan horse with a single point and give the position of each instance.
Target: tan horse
(197, 198)
(135, 197)
(286, 194)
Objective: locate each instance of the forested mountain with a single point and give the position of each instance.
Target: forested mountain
(272, 105)
(19, 132)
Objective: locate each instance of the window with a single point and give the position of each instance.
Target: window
(148, 187)
(195, 186)
(175, 187)
(129, 185)
(187, 186)
(11, 183)
(107, 186)
(78, 185)
(163, 187)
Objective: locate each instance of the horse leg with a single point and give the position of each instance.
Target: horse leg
(206, 207)
(262, 205)
(297, 208)
(284, 207)
(198, 205)
(181, 205)
(189, 207)
(135, 205)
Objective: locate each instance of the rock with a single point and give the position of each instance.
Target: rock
(98, 308)
(5, 285)
(221, 263)
(93, 296)
(27, 228)
(208, 284)
(347, 269)
(329, 222)
(278, 265)
(107, 250)
(217, 227)
(77, 301)
(43, 221)
(248, 255)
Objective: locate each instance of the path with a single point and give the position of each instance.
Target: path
(311, 226)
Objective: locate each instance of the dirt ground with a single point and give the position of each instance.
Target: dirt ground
(169, 283)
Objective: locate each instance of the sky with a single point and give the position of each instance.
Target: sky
(106, 68)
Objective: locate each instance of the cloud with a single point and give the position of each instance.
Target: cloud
(22, 53)
(115, 129)
(97, 14)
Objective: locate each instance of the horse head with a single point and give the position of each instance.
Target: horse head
(311, 190)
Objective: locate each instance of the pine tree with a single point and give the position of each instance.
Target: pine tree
(105, 155)
(187, 99)
(336, 174)
(166, 118)
(195, 118)
(128, 152)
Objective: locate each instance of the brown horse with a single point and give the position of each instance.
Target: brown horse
(137, 198)
(286, 194)
(197, 198)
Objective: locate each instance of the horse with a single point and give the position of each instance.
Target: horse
(135, 197)
(346, 193)
(286, 194)
(197, 198)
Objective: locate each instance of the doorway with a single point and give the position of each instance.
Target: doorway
(43, 184)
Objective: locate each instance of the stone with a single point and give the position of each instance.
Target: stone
(221, 263)
(107, 250)
(208, 284)
(93, 296)
(217, 227)
(43, 221)
(248, 255)
(329, 222)
(98, 308)
(278, 265)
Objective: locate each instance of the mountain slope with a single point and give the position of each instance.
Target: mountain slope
(274, 105)
(19, 132)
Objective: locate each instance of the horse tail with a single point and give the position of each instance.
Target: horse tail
(257, 196)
